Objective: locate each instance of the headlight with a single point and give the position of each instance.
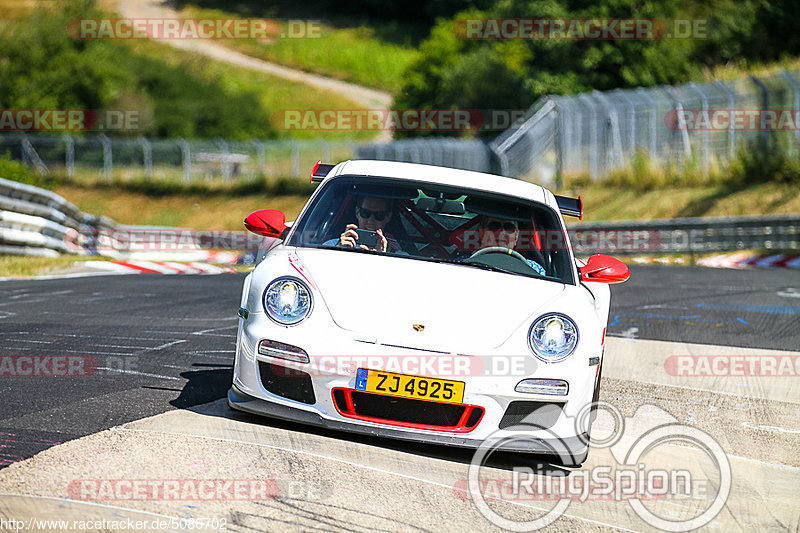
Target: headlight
(287, 301)
(553, 338)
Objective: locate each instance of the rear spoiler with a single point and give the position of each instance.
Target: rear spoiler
(570, 206)
(320, 171)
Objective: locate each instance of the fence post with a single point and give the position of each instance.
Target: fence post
(326, 151)
(731, 129)
(558, 140)
(69, 155)
(186, 159)
(592, 137)
(682, 127)
(632, 118)
(764, 107)
(295, 158)
(225, 160)
(147, 157)
(29, 156)
(795, 109)
(108, 164)
(261, 156)
(652, 148)
(704, 103)
(614, 155)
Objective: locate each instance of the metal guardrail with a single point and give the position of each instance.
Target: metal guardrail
(688, 235)
(35, 221)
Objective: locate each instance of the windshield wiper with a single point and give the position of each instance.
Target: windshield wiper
(484, 266)
(475, 264)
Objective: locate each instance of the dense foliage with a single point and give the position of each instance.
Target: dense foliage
(44, 68)
(453, 72)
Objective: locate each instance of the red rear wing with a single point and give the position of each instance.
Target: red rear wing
(320, 171)
(570, 206)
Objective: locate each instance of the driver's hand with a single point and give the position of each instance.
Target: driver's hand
(349, 237)
(382, 244)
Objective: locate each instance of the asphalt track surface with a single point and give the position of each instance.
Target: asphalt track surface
(165, 343)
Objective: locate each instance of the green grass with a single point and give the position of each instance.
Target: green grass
(20, 266)
(603, 201)
(356, 54)
(177, 93)
(274, 93)
(196, 210)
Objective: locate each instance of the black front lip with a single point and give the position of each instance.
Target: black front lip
(250, 404)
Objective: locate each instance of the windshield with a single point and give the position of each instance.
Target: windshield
(431, 222)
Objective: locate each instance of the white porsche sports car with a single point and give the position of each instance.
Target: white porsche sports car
(429, 304)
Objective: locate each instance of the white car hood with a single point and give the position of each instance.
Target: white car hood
(462, 309)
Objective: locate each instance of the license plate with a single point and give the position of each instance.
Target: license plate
(439, 390)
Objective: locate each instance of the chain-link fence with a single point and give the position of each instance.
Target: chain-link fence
(178, 159)
(453, 153)
(698, 124)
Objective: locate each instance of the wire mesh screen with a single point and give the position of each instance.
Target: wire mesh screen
(701, 124)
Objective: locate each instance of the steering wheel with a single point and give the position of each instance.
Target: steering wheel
(498, 250)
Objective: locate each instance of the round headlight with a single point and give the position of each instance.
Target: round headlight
(287, 301)
(553, 338)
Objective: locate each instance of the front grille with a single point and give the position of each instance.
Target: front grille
(406, 409)
(407, 412)
(540, 414)
(287, 382)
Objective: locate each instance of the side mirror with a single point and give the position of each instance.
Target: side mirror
(604, 269)
(266, 222)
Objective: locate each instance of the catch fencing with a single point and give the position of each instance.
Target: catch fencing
(112, 157)
(700, 126)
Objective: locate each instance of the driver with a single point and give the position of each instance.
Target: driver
(372, 214)
(505, 233)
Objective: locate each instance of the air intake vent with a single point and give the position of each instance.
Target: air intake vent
(287, 382)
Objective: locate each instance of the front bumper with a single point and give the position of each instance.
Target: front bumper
(490, 387)
(250, 404)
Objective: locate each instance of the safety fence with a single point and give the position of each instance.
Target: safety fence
(699, 125)
(187, 161)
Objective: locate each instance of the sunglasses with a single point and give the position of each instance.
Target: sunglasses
(368, 213)
(506, 226)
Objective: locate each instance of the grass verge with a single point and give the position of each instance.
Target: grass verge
(350, 53)
(21, 266)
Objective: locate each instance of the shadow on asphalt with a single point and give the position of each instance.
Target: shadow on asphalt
(204, 386)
